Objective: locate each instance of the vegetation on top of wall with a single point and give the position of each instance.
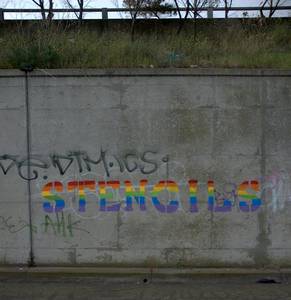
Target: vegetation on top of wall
(231, 45)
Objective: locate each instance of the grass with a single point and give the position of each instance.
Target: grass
(240, 45)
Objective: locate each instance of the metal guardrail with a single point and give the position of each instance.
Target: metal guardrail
(104, 11)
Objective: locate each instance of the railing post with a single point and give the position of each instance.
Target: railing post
(210, 12)
(1, 15)
(104, 13)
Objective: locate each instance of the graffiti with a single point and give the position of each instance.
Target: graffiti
(112, 196)
(21, 164)
(276, 189)
(62, 225)
(14, 226)
(228, 191)
(246, 196)
(146, 163)
(172, 187)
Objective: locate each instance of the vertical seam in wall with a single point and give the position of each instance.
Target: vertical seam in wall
(167, 170)
(31, 261)
(262, 216)
(118, 217)
(263, 140)
(214, 121)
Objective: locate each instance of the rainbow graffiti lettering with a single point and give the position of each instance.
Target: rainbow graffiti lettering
(55, 203)
(105, 195)
(193, 195)
(172, 187)
(81, 186)
(111, 199)
(138, 195)
(212, 203)
(246, 190)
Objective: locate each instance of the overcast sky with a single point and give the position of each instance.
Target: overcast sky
(112, 3)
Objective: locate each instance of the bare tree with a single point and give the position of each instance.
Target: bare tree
(145, 8)
(156, 8)
(192, 9)
(135, 6)
(42, 5)
(227, 5)
(81, 4)
(195, 7)
(272, 5)
(51, 7)
(182, 19)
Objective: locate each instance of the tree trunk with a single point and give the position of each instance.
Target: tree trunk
(50, 13)
(183, 20)
(226, 11)
(81, 7)
(132, 28)
(195, 26)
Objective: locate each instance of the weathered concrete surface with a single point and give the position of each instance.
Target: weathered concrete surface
(228, 126)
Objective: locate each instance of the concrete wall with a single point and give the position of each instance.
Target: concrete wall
(95, 167)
